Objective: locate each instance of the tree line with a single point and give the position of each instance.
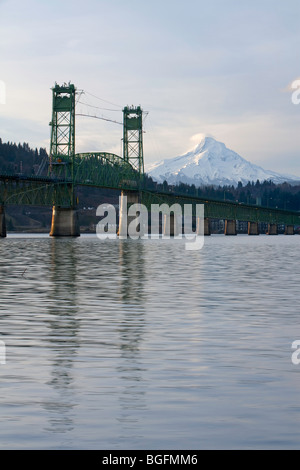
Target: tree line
(266, 193)
(20, 158)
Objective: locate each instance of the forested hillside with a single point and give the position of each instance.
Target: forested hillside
(20, 158)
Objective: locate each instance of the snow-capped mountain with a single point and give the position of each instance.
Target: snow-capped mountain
(212, 163)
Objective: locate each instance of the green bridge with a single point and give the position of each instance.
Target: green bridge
(58, 178)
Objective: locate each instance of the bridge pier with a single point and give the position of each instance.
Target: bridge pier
(2, 222)
(253, 228)
(289, 230)
(64, 222)
(272, 229)
(207, 231)
(133, 197)
(172, 226)
(230, 227)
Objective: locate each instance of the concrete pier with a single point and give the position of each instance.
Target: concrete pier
(64, 222)
(272, 229)
(230, 227)
(207, 231)
(289, 230)
(171, 225)
(124, 218)
(2, 222)
(253, 228)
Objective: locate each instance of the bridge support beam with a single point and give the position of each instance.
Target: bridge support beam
(171, 225)
(230, 227)
(2, 222)
(207, 231)
(64, 222)
(272, 229)
(289, 230)
(133, 197)
(253, 228)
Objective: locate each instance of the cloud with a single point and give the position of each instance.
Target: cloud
(197, 138)
(213, 67)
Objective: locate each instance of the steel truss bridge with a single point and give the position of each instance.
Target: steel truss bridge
(66, 170)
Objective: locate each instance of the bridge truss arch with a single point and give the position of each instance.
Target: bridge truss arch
(104, 169)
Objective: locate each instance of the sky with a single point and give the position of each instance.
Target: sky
(224, 68)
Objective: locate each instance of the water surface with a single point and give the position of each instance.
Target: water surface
(143, 345)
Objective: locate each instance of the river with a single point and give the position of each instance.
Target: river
(141, 344)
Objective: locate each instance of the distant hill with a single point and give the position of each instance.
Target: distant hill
(20, 158)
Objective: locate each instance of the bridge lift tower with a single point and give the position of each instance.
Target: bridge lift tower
(132, 154)
(62, 145)
(133, 138)
(62, 156)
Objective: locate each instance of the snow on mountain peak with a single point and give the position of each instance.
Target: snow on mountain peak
(211, 163)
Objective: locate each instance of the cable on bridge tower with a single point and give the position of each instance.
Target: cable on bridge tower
(78, 93)
(98, 117)
(103, 118)
(98, 107)
(105, 101)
